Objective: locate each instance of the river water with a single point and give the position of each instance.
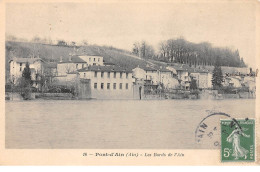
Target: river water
(114, 124)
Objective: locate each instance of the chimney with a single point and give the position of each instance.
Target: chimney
(60, 58)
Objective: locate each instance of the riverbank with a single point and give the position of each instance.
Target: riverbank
(204, 94)
(44, 96)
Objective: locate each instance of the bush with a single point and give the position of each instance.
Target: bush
(8, 87)
(232, 90)
(227, 90)
(60, 89)
(243, 89)
(194, 92)
(34, 90)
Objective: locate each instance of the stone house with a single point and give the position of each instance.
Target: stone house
(106, 82)
(17, 66)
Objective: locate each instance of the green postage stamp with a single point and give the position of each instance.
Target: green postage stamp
(237, 140)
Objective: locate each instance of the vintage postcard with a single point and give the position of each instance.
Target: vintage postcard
(129, 82)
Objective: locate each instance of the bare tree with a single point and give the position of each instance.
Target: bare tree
(136, 49)
(85, 42)
(68, 68)
(11, 38)
(163, 48)
(143, 50)
(36, 39)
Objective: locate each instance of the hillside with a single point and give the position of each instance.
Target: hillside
(53, 53)
(117, 56)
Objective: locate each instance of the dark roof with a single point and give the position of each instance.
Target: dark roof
(105, 69)
(25, 60)
(74, 72)
(180, 67)
(195, 70)
(108, 63)
(155, 68)
(230, 70)
(74, 59)
(185, 67)
(88, 54)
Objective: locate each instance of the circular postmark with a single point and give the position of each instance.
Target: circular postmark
(208, 132)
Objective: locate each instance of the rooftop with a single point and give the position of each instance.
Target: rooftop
(108, 63)
(154, 68)
(196, 70)
(105, 69)
(25, 60)
(74, 59)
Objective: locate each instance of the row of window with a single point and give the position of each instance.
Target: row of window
(108, 74)
(94, 59)
(114, 86)
(82, 66)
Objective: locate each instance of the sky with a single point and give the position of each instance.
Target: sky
(222, 24)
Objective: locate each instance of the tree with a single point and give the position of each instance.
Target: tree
(217, 77)
(36, 39)
(143, 50)
(163, 48)
(68, 68)
(73, 43)
(27, 73)
(182, 51)
(136, 48)
(84, 42)
(61, 43)
(11, 38)
(26, 82)
(193, 84)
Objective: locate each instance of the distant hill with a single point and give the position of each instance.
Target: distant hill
(53, 53)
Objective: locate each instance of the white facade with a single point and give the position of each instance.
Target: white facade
(93, 60)
(156, 77)
(183, 76)
(202, 79)
(17, 66)
(109, 84)
(67, 67)
(139, 73)
(210, 80)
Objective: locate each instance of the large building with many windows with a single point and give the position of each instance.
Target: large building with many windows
(107, 82)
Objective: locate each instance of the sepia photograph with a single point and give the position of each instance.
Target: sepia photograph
(132, 75)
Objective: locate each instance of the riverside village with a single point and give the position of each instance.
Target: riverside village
(180, 70)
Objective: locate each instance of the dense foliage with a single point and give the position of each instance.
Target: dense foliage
(193, 84)
(26, 82)
(217, 77)
(181, 51)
